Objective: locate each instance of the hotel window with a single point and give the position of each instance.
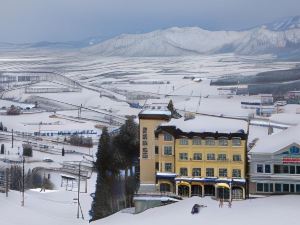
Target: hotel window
(286, 187)
(209, 172)
(237, 158)
(292, 170)
(197, 156)
(267, 168)
(222, 157)
(292, 188)
(285, 169)
(298, 188)
(223, 172)
(156, 150)
(144, 134)
(183, 156)
(223, 141)
(266, 187)
(297, 169)
(278, 188)
(209, 141)
(183, 172)
(236, 173)
(157, 166)
(196, 141)
(183, 141)
(236, 142)
(168, 137)
(259, 187)
(196, 172)
(145, 153)
(210, 156)
(168, 167)
(259, 168)
(271, 188)
(144, 141)
(167, 150)
(289, 169)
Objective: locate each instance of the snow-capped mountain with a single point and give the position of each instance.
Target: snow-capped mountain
(282, 39)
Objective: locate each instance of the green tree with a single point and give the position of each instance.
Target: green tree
(102, 205)
(127, 148)
(2, 149)
(27, 150)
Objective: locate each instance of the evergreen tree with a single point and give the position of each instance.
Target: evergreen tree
(27, 150)
(127, 147)
(2, 149)
(102, 205)
(173, 111)
(171, 106)
(127, 143)
(63, 152)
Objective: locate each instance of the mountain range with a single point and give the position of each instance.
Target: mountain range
(280, 38)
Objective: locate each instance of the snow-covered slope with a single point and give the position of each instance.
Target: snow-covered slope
(275, 210)
(284, 40)
(263, 40)
(170, 42)
(285, 24)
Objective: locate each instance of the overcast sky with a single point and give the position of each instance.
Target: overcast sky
(65, 20)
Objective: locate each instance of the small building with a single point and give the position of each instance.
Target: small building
(293, 95)
(275, 163)
(263, 106)
(266, 99)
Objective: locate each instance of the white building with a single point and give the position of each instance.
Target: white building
(275, 163)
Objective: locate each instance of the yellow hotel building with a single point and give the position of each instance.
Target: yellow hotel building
(202, 156)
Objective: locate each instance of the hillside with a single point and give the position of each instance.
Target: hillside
(281, 39)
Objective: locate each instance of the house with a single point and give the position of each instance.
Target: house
(202, 156)
(275, 163)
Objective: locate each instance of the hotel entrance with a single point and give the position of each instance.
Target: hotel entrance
(223, 191)
(184, 189)
(196, 190)
(209, 190)
(237, 193)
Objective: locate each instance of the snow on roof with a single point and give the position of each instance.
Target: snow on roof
(212, 124)
(155, 112)
(155, 198)
(277, 141)
(166, 174)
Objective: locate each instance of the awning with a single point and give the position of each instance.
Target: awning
(183, 183)
(222, 185)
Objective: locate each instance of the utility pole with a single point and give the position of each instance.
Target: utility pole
(78, 191)
(23, 182)
(12, 138)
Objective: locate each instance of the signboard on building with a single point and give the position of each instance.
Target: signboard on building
(289, 160)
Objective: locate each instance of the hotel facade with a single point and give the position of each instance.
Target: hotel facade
(201, 156)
